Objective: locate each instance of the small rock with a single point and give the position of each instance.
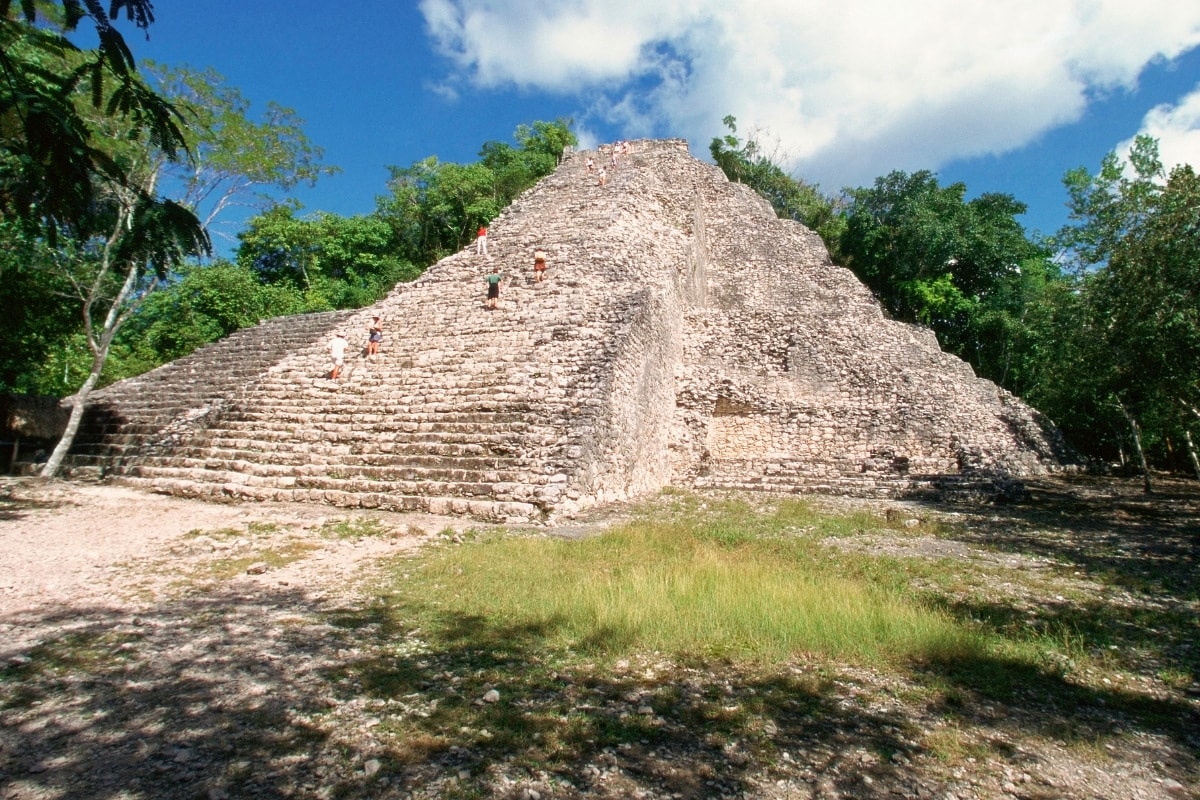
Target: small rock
(911, 523)
(645, 711)
(492, 696)
(257, 568)
(1175, 788)
(371, 767)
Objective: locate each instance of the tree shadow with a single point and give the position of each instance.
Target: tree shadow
(208, 697)
(708, 729)
(1143, 549)
(1107, 526)
(17, 506)
(599, 730)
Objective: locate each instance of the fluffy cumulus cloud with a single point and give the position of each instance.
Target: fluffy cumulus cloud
(849, 89)
(1177, 129)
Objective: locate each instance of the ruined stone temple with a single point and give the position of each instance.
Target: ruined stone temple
(684, 336)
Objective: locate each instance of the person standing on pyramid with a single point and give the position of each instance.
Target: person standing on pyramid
(374, 336)
(539, 265)
(337, 349)
(493, 289)
(481, 241)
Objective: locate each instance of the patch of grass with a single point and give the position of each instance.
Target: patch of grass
(729, 584)
(224, 569)
(258, 528)
(216, 533)
(355, 528)
(952, 745)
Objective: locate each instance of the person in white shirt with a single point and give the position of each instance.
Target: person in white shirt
(337, 349)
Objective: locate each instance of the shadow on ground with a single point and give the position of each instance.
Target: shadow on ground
(1143, 550)
(270, 694)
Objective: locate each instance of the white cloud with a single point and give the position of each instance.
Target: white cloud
(850, 88)
(1177, 129)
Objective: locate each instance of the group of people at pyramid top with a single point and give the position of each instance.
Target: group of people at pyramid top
(616, 149)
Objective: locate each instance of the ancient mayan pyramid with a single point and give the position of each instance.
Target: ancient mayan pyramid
(684, 336)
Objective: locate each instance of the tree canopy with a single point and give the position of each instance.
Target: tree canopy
(435, 207)
(51, 96)
(1134, 243)
(955, 265)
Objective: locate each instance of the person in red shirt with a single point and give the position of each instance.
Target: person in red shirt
(539, 265)
(481, 241)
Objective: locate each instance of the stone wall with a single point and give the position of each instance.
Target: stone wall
(683, 335)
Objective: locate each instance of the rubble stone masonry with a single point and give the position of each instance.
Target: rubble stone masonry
(684, 335)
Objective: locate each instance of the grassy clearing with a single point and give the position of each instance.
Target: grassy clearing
(705, 626)
(709, 579)
(713, 590)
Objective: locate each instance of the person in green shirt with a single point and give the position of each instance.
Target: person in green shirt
(493, 289)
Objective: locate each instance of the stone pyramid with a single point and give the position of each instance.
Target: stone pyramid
(684, 336)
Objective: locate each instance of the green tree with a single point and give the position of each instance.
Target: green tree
(136, 242)
(1133, 239)
(116, 237)
(201, 305)
(333, 261)
(435, 207)
(745, 162)
(50, 96)
(237, 161)
(39, 311)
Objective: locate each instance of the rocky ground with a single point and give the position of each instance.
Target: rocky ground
(153, 647)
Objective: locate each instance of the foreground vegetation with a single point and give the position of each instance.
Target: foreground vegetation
(696, 646)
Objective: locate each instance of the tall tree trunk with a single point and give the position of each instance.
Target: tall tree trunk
(1191, 448)
(1137, 446)
(52, 466)
(117, 314)
(1187, 435)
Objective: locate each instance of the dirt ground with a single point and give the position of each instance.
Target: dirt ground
(157, 647)
(70, 543)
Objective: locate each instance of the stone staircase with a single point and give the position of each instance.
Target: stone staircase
(128, 421)
(683, 335)
(504, 414)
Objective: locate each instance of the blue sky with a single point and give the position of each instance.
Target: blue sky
(1001, 96)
